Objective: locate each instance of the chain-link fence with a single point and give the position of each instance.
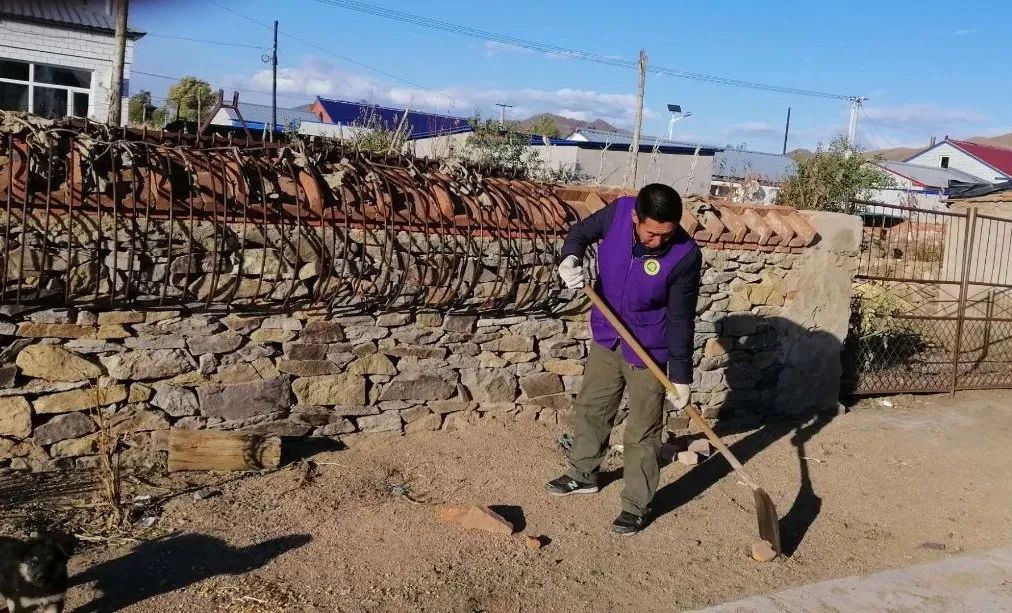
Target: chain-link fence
(932, 310)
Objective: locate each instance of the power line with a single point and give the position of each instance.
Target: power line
(247, 91)
(868, 121)
(208, 42)
(504, 39)
(337, 55)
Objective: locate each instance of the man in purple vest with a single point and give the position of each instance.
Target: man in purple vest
(649, 275)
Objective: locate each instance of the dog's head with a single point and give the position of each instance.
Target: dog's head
(46, 557)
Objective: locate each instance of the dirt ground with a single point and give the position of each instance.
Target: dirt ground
(879, 487)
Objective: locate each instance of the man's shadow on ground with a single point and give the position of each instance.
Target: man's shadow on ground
(172, 563)
(754, 404)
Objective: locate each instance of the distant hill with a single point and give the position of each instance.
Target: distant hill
(1004, 140)
(566, 125)
(897, 154)
(901, 153)
(799, 155)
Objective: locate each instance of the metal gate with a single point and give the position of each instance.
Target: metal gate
(932, 302)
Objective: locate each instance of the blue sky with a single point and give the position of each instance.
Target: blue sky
(928, 67)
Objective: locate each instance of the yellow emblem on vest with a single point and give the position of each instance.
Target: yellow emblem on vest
(651, 267)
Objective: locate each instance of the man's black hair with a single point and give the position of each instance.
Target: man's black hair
(659, 202)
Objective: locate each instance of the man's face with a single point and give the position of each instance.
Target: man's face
(652, 233)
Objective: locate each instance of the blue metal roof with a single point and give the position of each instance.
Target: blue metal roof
(419, 124)
(738, 163)
(589, 138)
(259, 115)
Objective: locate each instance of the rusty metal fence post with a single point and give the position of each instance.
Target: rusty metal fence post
(969, 236)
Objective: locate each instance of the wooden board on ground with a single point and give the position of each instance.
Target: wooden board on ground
(223, 451)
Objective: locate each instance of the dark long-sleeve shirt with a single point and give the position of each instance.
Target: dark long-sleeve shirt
(683, 288)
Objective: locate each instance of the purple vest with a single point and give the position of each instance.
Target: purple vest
(636, 289)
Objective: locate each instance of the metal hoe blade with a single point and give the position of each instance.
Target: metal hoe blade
(766, 511)
(766, 516)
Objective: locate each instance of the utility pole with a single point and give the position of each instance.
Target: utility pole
(115, 117)
(787, 129)
(502, 113)
(274, 82)
(634, 149)
(855, 106)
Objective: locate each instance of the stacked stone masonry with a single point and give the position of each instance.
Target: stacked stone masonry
(310, 373)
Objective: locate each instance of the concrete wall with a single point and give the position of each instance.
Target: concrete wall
(438, 146)
(770, 326)
(687, 173)
(62, 47)
(991, 260)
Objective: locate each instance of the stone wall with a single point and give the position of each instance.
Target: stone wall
(769, 329)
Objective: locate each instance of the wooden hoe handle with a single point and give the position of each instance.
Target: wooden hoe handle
(663, 378)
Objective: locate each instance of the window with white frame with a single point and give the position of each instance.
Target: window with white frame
(42, 89)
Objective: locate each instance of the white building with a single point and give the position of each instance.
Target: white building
(922, 187)
(56, 57)
(992, 164)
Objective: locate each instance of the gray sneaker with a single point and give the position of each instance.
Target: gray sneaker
(627, 524)
(566, 485)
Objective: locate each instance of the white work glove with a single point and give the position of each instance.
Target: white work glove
(571, 272)
(680, 400)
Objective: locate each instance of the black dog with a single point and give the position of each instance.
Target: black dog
(33, 573)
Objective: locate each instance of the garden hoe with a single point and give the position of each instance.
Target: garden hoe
(766, 512)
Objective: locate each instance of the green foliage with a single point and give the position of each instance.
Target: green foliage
(501, 148)
(505, 150)
(544, 125)
(876, 309)
(374, 134)
(191, 95)
(140, 108)
(831, 178)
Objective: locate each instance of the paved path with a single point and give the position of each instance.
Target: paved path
(979, 582)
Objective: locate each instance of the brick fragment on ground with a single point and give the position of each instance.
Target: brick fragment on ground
(689, 458)
(701, 446)
(535, 543)
(762, 551)
(474, 517)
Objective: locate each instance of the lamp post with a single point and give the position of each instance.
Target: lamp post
(676, 115)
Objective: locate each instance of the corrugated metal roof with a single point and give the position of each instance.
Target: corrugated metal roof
(929, 176)
(996, 157)
(624, 138)
(738, 163)
(67, 13)
(419, 124)
(261, 114)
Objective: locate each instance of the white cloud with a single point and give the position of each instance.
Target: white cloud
(965, 31)
(577, 115)
(315, 77)
(753, 129)
(493, 48)
(913, 125)
(921, 115)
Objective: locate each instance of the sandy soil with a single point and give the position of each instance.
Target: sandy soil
(879, 487)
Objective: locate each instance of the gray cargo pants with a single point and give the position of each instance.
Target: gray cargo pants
(607, 374)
